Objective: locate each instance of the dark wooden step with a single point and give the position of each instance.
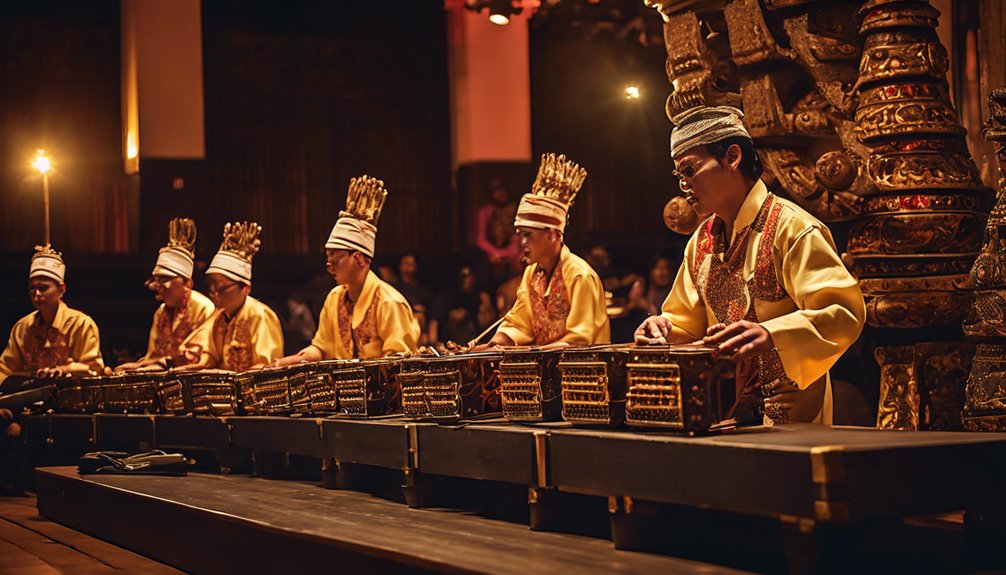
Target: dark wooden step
(234, 524)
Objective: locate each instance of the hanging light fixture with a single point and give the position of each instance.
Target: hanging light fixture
(500, 11)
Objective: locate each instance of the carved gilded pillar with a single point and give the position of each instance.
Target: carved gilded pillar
(921, 227)
(985, 397)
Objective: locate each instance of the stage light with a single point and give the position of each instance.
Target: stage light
(631, 93)
(499, 19)
(499, 10)
(42, 162)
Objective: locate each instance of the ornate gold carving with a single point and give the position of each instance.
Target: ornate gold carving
(899, 389)
(829, 55)
(917, 233)
(763, 112)
(751, 41)
(892, 266)
(985, 395)
(987, 317)
(669, 8)
(690, 68)
(916, 309)
(899, 61)
(923, 170)
(994, 129)
(922, 202)
(906, 284)
(836, 170)
(907, 117)
(679, 217)
(801, 181)
(885, 14)
(922, 385)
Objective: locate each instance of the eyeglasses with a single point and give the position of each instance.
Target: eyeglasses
(686, 173)
(161, 281)
(215, 291)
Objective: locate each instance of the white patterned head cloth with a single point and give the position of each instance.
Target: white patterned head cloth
(704, 126)
(234, 259)
(47, 263)
(354, 235)
(174, 262)
(541, 212)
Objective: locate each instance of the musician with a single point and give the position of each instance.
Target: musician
(761, 278)
(243, 333)
(182, 309)
(363, 316)
(54, 340)
(560, 298)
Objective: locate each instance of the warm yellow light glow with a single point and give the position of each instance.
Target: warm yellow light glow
(499, 19)
(132, 146)
(631, 92)
(42, 162)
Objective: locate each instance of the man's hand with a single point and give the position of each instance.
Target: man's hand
(289, 360)
(56, 372)
(739, 340)
(655, 330)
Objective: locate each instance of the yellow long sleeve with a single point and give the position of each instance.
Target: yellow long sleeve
(831, 310)
(588, 316)
(517, 322)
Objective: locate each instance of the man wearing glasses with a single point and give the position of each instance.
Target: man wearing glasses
(244, 333)
(761, 278)
(363, 317)
(182, 309)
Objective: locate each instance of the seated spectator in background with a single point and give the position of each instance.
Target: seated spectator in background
(649, 296)
(495, 232)
(643, 299)
(408, 282)
(461, 312)
(599, 259)
(506, 293)
(304, 307)
(386, 273)
(415, 292)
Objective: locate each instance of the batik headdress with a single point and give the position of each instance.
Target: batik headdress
(705, 125)
(552, 194)
(177, 258)
(47, 262)
(356, 228)
(234, 259)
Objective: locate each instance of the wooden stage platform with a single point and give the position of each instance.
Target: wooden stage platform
(797, 498)
(235, 524)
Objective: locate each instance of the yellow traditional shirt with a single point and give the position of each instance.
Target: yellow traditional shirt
(167, 333)
(253, 337)
(567, 307)
(379, 323)
(32, 346)
(783, 271)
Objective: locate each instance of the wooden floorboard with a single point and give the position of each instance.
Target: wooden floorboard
(351, 520)
(33, 545)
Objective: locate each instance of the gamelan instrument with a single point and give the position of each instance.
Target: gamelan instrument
(685, 388)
